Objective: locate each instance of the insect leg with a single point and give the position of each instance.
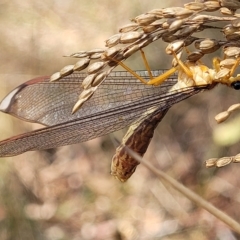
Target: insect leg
(129, 70)
(161, 78)
(146, 64)
(233, 69)
(229, 79)
(183, 66)
(154, 81)
(158, 80)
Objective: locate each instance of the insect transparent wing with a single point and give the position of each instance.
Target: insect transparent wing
(91, 126)
(41, 101)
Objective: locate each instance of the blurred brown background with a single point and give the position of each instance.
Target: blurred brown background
(69, 193)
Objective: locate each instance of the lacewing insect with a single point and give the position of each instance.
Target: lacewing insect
(121, 100)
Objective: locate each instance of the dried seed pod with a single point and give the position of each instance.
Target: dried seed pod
(211, 6)
(229, 29)
(236, 24)
(117, 58)
(168, 12)
(95, 56)
(95, 67)
(168, 37)
(200, 18)
(166, 24)
(231, 33)
(130, 37)
(81, 64)
(129, 28)
(131, 51)
(227, 63)
(158, 23)
(157, 12)
(198, 42)
(232, 52)
(195, 56)
(207, 45)
(95, 50)
(79, 54)
(236, 159)
(221, 162)
(175, 25)
(99, 79)
(56, 76)
(187, 31)
(113, 40)
(66, 70)
(178, 12)
(86, 93)
(231, 4)
(149, 28)
(221, 117)
(233, 37)
(109, 70)
(78, 105)
(234, 107)
(183, 13)
(110, 53)
(145, 19)
(211, 162)
(87, 81)
(146, 42)
(189, 40)
(195, 6)
(226, 11)
(223, 73)
(175, 46)
(157, 37)
(83, 97)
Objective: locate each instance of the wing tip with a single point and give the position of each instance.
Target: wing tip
(6, 102)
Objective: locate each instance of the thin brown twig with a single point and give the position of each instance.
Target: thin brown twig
(188, 193)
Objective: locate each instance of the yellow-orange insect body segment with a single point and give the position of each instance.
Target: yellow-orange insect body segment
(201, 75)
(196, 74)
